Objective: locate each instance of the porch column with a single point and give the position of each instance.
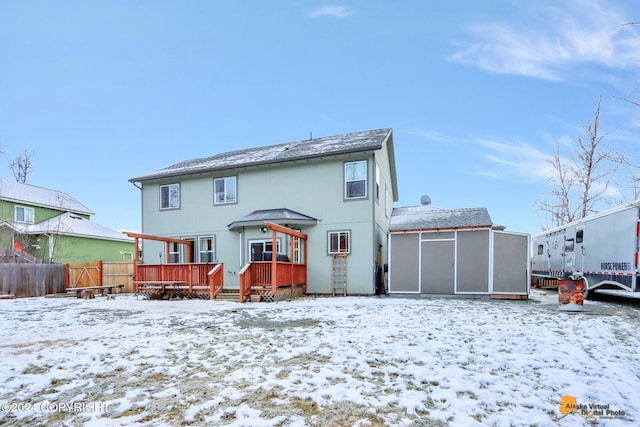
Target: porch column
(274, 262)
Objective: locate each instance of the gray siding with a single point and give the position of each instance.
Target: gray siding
(472, 261)
(403, 268)
(510, 263)
(437, 266)
(313, 188)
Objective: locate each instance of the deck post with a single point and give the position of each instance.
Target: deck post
(274, 262)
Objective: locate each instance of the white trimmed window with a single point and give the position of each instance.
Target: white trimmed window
(24, 214)
(175, 255)
(388, 204)
(170, 196)
(206, 248)
(355, 179)
(339, 242)
(224, 190)
(377, 183)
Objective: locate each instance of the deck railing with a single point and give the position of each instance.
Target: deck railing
(190, 275)
(215, 278)
(260, 274)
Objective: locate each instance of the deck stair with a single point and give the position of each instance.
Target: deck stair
(228, 295)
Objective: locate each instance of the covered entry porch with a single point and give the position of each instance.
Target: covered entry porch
(276, 276)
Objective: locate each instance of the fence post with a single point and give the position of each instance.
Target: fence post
(100, 273)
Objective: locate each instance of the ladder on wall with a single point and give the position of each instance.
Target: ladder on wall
(339, 274)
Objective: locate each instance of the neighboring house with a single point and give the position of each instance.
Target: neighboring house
(337, 190)
(48, 225)
(455, 252)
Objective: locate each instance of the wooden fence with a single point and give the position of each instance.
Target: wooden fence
(101, 273)
(32, 280)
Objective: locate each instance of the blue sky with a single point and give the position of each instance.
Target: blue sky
(477, 92)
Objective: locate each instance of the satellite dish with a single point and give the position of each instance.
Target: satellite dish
(425, 200)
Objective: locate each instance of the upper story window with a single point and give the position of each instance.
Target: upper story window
(224, 190)
(170, 196)
(355, 179)
(339, 242)
(377, 183)
(388, 204)
(24, 214)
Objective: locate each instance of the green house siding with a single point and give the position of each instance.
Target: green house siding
(70, 249)
(7, 211)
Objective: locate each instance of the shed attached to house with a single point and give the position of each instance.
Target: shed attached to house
(455, 252)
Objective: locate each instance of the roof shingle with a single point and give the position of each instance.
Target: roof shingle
(305, 149)
(430, 218)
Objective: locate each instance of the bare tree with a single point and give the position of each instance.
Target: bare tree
(21, 165)
(563, 183)
(594, 177)
(581, 181)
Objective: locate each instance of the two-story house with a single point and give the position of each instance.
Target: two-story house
(41, 224)
(337, 190)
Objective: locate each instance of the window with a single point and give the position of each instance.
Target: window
(579, 236)
(388, 203)
(568, 245)
(224, 190)
(355, 179)
(540, 249)
(377, 183)
(175, 256)
(339, 242)
(206, 249)
(170, 196)
(24, 214)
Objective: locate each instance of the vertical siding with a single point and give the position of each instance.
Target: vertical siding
(472, 261)
(32, 280)
(510, 263)
(404, 264)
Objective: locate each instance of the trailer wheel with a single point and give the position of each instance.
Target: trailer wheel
(589, 294)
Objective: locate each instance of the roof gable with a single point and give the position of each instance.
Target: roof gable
(278, 216)
(305, 149)
(431, 218)
(27, 194)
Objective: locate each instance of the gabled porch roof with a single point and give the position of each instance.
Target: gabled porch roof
(278, 216)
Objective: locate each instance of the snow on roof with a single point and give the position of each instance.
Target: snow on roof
(428, 217)
(71, 224)
(305, 149)
(39, 196)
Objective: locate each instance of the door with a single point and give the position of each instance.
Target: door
(579, 249)
(437, 267)
(258, 247)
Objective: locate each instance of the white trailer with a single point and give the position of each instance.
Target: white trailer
(600, 249)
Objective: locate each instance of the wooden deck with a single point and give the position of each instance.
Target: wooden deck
(195, 280)
(265, 281)
(256, 282)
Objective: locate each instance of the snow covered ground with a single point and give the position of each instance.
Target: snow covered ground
(318, 362)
